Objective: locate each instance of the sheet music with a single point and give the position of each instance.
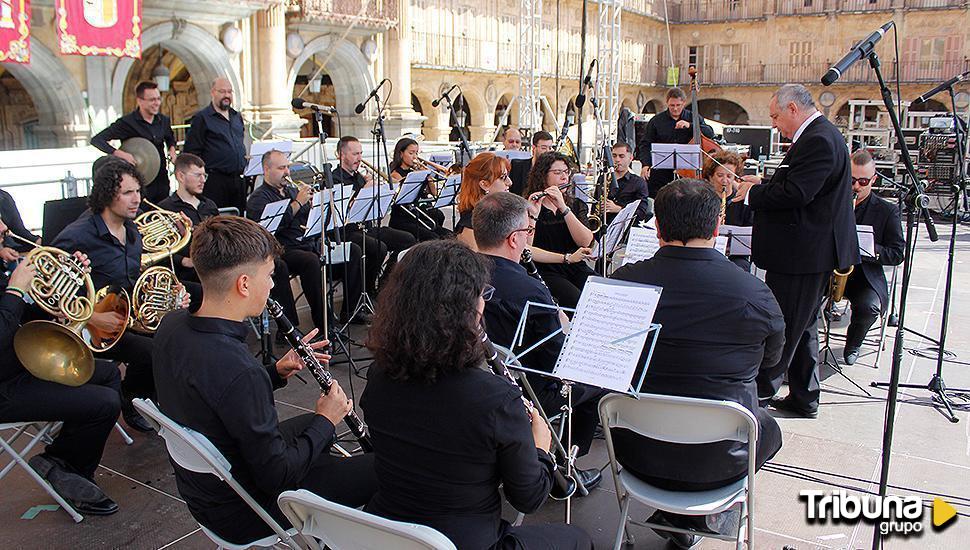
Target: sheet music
(273, 214)
(256, 151)
(341, 198)
(642, 245)
(448, 192)
(365, 207)
(867, 241)
(409, 190)
(583, 188)
(740, 239)
(607, 334)
(616, 229)
(318, 206)
(674, 156)
(720, 244)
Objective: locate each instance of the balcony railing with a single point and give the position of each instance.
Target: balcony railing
(782, 73)
(379, 14)
(690, 11)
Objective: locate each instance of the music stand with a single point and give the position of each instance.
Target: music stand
(367, 206)
(676, 156)
(448, 193)
(615, 232)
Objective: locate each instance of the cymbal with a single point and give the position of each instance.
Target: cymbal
(146, 156)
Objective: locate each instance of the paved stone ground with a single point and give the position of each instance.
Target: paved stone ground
(840, 449)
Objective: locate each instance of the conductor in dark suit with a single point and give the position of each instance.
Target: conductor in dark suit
(803, 229)
(721, 328)
(866, 288)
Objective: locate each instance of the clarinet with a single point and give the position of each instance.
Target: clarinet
(323, 377)
(563, 487)
(533, 271)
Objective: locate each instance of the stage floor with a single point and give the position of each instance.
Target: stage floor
(839, 450)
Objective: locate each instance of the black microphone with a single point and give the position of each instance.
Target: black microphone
(300, 103)
(436, 102)
(373, 93)
(859, 51)
(587, 82)
(949, 83)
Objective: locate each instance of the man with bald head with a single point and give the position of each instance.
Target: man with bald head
(512, 139)
(216, 135)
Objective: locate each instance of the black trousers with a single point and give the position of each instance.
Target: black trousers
(585, 408)
(375, 252)
(135, 351)
(226, 190)
(282, 291)
(543, 537)
(865, 310)
(89, 412)
(799, 297)
(403, 221)
(565, 282)
(394, 239)
(347, 481)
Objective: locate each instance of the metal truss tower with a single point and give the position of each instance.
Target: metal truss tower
(608, 36)
(530, 28)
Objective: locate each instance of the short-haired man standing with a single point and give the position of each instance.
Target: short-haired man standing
(216, 135)
(721, 327)
(542, 142)
(145, 122)
(866, 288)
(511, 139)
(670, 126)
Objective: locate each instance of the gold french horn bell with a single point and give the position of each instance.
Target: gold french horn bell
(146, 156)
(49, 350)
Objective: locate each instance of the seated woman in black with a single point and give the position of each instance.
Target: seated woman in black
(486, 173)
(424, 222)
(560, 229)
(720, 171)
(446, 430)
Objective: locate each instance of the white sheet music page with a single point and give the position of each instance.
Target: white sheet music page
(867, 242)
(642, 245)
(740, 239)
(720, 244)
(616, 229)
(607, 333)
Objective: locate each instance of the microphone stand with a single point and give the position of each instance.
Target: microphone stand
(463, 157)
(916, 206)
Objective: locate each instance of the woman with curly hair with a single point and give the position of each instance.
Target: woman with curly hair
(560, 229)
(446, 431)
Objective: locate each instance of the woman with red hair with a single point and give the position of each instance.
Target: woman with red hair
(486, 173)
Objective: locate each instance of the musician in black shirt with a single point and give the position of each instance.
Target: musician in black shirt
(629, 186)
(145, 122)
(426, 226)
(302, 256)
(560, 229)
(11, 248)
(542, 143)
(670, 126)
(447, 431)
(209, 381)
(486, 173)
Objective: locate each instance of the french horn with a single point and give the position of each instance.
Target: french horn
(163, 233)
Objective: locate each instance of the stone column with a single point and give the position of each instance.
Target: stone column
(401, 117)
(271, 98)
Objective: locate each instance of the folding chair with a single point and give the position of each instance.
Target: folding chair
(194, 452)
(43, 430)
(229, 211)
(684, 420)
(342, 528)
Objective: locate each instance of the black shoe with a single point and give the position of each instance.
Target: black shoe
(104, 507)
(131, 416)
(75, 488)
(850, 355)
(788, 405)
(680, 540)
(588, 478)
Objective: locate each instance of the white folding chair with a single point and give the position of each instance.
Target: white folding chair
(41, 432)
(682, 420)
(342, 528)
(194, 452)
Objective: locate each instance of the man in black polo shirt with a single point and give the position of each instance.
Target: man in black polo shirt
(11, 248)
(216, 135)
(502, 224)
(629, 186)
(542, 142)
(302, 256)
(107, 233)
(147, 122)
(209, 381)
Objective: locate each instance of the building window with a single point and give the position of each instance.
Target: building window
(800, 53)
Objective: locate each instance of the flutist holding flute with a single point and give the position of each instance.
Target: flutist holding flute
(447, 431)
(209, 381)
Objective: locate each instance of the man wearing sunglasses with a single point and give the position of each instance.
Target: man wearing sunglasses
(866, 288)
(503, 225)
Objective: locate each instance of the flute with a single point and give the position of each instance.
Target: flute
(323, 377)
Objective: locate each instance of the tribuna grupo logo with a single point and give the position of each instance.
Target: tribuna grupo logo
(894, 515)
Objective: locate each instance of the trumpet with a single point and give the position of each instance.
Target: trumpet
(564, 485)
(163, 233)
(314, 186)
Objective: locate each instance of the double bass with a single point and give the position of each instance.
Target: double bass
(708, 145)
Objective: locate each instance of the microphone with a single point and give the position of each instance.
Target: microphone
(300, 103)
(436, 102)
(859, 51)
(949, 83)
(587, 82)
(373, 93)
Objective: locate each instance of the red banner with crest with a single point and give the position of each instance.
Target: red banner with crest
(15, 31)
(99, 27)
